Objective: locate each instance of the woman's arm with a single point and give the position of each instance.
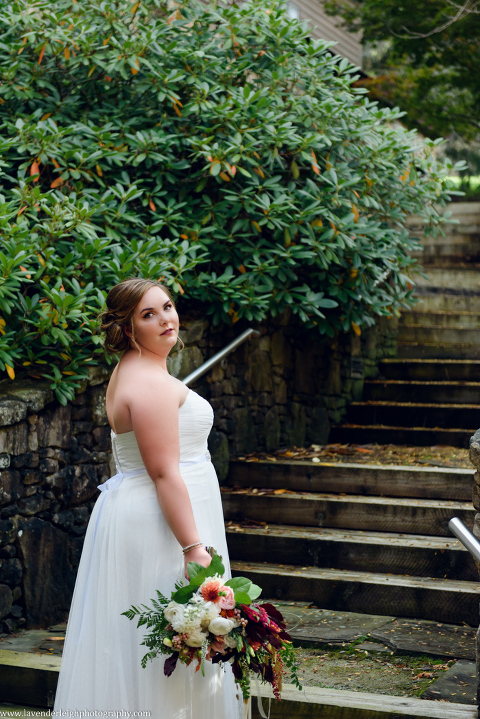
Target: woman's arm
(153, 406)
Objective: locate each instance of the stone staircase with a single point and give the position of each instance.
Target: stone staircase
(374, 539)
(370, 538)
(359, 538)
(430, 394)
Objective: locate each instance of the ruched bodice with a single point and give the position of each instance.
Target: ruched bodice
(195, 419)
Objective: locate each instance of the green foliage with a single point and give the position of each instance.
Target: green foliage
(428, 59)
(197, 575)
(289, 660)
(220, 149)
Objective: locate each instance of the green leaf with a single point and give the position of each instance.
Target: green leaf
(254, 591)
(243, 598)
(183, 595)
(239, 584)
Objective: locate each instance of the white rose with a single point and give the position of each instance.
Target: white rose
(196, 637)
(178, 619)
(231, 642)
(171, 611)
(211, 611)
(220, 626)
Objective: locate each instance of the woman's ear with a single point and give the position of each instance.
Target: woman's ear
(128, 331)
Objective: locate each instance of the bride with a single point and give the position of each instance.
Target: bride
(153, 517)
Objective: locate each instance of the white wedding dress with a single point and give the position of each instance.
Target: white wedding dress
(129, 552)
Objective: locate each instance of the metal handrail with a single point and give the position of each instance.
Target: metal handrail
(218, 357)
(468, 539)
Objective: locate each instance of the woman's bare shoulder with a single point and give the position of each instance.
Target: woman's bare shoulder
(143, 381)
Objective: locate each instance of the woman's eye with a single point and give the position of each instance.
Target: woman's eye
(168, 307)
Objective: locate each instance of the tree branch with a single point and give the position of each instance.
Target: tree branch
(470, 7)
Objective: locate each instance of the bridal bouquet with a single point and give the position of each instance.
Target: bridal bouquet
(216, 621)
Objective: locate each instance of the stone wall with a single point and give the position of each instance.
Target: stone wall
(52, 458)
(281, 388)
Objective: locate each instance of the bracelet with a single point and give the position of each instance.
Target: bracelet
(192, 546)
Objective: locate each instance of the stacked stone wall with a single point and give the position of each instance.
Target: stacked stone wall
(52, 458)
(282, 388)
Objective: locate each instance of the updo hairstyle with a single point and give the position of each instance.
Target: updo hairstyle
(121, 303)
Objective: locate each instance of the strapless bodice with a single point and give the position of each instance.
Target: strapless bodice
(195, 419)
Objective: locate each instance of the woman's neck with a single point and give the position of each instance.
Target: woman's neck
(151, 357)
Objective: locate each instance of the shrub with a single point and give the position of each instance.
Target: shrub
(220, 149)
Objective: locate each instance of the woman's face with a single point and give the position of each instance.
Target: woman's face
(155, 322)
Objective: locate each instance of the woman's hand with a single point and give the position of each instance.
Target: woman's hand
(198, 555)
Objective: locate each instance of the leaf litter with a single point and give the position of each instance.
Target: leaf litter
(383, 454)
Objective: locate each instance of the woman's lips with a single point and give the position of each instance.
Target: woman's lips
(167, 332)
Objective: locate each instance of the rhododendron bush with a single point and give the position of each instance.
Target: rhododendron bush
(220, 149)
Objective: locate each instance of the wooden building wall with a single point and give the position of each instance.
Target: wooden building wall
(327, 28)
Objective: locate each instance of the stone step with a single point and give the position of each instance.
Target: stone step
(323, 628)
(439, 335)
(451, 254)
(457, 684)
(414, 436)
(422, 391)
(441, 600)
(377, 514)
(430, 318)
(429, 299)
(432, 350)
(27, 678)
(460, 210)
(455, 238)
(456, 210)
(319, 703)
(453, 251)
(467, 278)
(468, 227)
(352, 478)
(384, 552)
(414, 414)
(430, 370)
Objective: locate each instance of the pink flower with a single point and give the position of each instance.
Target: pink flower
(210, 590)
(228, 601)
(219, 645)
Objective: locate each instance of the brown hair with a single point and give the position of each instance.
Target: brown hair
(121, 303)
